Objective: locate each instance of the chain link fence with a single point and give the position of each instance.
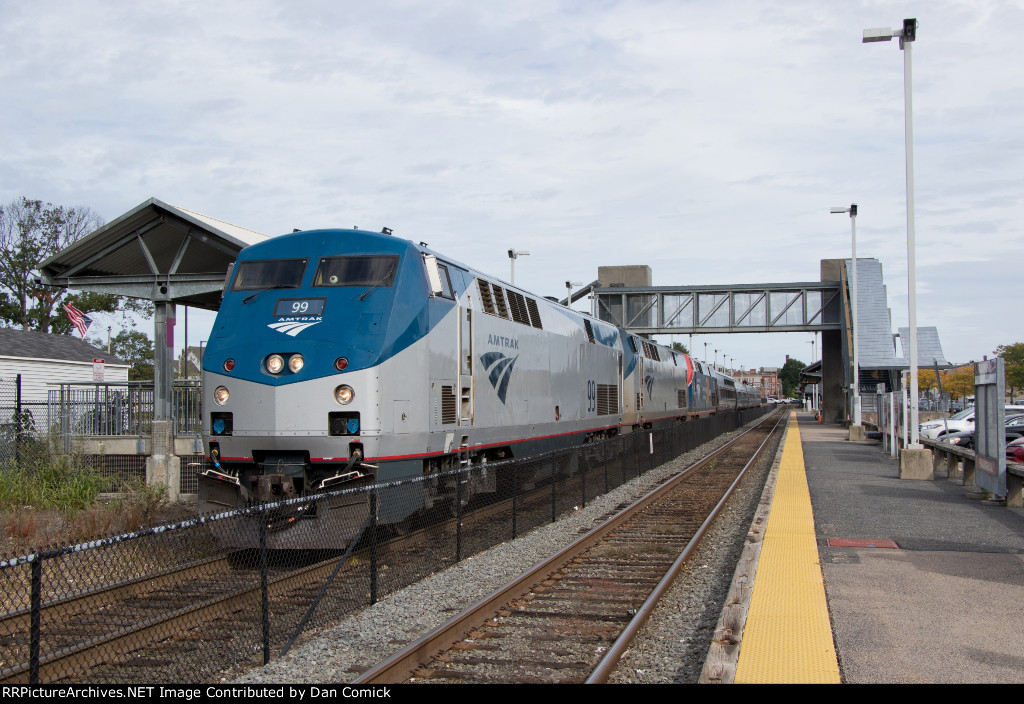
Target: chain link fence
(22, 423)
(204, 599)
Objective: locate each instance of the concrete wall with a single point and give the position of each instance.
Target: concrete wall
(633, 275)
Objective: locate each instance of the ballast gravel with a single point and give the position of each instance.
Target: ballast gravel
(671, 648)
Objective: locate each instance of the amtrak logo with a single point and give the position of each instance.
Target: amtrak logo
(649, 383)
(499, 371)
(293, 326)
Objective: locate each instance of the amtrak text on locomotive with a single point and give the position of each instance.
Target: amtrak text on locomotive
(511, 343)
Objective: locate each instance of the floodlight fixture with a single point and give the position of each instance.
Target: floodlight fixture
(514, 254)
(568, 291)
(878, 34)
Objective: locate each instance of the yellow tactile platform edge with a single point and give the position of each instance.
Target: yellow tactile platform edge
(788, 637)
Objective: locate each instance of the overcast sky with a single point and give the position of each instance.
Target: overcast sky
(706, 139)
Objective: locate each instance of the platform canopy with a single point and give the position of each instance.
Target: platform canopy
(155, 251)
(161, 253)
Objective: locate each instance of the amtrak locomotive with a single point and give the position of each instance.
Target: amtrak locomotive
(341, 357)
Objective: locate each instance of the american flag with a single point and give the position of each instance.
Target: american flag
(78, 319)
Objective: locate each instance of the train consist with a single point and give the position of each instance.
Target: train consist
(341, 357)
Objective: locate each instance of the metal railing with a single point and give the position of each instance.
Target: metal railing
(120, 409)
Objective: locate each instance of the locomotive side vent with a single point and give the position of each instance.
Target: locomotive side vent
(607, 399)
(449, 414)
(681, 394)
(590, 330)
(531, 305)
(518, 305)
(499, 302)
(485, 296)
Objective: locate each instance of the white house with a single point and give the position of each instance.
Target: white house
(46, 361)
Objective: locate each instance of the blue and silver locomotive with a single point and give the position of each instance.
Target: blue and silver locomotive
(345, 356)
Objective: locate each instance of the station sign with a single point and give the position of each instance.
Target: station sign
(989, 419)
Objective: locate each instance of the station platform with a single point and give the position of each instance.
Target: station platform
(865, 578)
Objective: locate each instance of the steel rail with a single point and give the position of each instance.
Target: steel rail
(65, 607)
(611, 658)
(96, 651)
(400, 666)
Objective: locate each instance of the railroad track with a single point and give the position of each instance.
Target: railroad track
(133, 631)
(570, 618)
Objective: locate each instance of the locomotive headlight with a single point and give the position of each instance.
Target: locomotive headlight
(295, 363)
(344, 394)
(275, 363)
(221, 395)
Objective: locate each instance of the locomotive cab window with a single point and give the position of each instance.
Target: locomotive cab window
(438, 278)
(269, 273)
(446, 282)
(374, 270)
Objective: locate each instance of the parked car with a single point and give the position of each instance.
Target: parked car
(1014, 431)
(1015, 451)
(959, 423)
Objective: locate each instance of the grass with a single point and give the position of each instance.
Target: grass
(66, 484)
(46, 500)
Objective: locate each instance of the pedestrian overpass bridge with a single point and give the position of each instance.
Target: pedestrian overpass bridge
(622, 295)
(795, 307)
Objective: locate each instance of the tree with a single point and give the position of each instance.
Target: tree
(30, 233)
(1013, 359)
(680, 347)
(959, 382)
(926, 380)
(135, 347)
(789, 376)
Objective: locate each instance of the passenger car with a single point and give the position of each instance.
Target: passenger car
(958, 423)
(1014, 430)
(1015, 451)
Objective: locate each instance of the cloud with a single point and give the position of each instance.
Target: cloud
(708, 139)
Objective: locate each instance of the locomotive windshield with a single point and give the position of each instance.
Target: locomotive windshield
(378, 270)
(270, 273)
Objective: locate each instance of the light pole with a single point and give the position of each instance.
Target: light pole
(814, 387)
(568, 292)
(907, 35)
(514, 254)
(716, 359)
(855, 397)
(705, 353)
